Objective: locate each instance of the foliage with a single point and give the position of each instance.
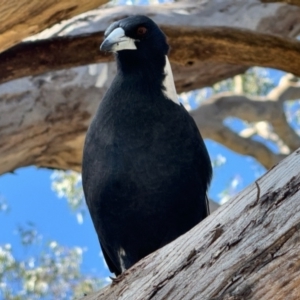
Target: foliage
(255, 82)
(51, 273)
(68, 185)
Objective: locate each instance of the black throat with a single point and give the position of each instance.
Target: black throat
(139, 66)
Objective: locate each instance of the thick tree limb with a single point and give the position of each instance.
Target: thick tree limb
(44, 122)
(248, 249)
(234, 46)
(21, 18)
(218, 132)
(189, 46)
(201, 73)
(43, 119)
(213, 206)
(293, 2)
(283, 129)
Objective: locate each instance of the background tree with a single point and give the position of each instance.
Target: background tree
(52, 83)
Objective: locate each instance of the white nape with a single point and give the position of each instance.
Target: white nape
(168, 83)
(120, 40)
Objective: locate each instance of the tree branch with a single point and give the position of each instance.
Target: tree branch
(251, 109)
(264, 130)
(215, 130)
(21, 18)
(287, 89)
(282, 128)
(239, 252)
(201, 73)
(234, 46)
(293, 2)
(189, 46)
(255, 110)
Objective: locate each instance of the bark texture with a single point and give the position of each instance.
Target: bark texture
(189, 46)
(202, 55)
(248, 249)
(293, 2)
(43, 118)
(22, 18)
(265, 113)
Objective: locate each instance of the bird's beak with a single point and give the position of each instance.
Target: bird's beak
(117, 41)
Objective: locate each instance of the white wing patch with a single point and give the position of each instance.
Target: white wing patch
(121, 254)
(168, 83)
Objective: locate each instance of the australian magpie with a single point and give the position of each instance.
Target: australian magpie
(145, 168)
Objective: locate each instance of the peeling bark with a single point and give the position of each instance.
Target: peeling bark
(248, 249)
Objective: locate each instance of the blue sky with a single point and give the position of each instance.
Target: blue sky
(30, 198)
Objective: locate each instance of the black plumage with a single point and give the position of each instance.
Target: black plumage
(145, 167)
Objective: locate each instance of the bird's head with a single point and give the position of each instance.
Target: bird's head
(134, 39)
(141, 50)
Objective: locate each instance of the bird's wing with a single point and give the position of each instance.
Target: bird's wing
(109, 262)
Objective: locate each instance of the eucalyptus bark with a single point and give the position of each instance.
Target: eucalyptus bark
(248, 249)
(22, 18)
(189, 46)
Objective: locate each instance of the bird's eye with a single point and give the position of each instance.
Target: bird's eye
(141, 30)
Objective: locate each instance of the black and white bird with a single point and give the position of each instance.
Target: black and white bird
(145, 167)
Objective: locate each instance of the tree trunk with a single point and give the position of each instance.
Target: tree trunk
(248, 249)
